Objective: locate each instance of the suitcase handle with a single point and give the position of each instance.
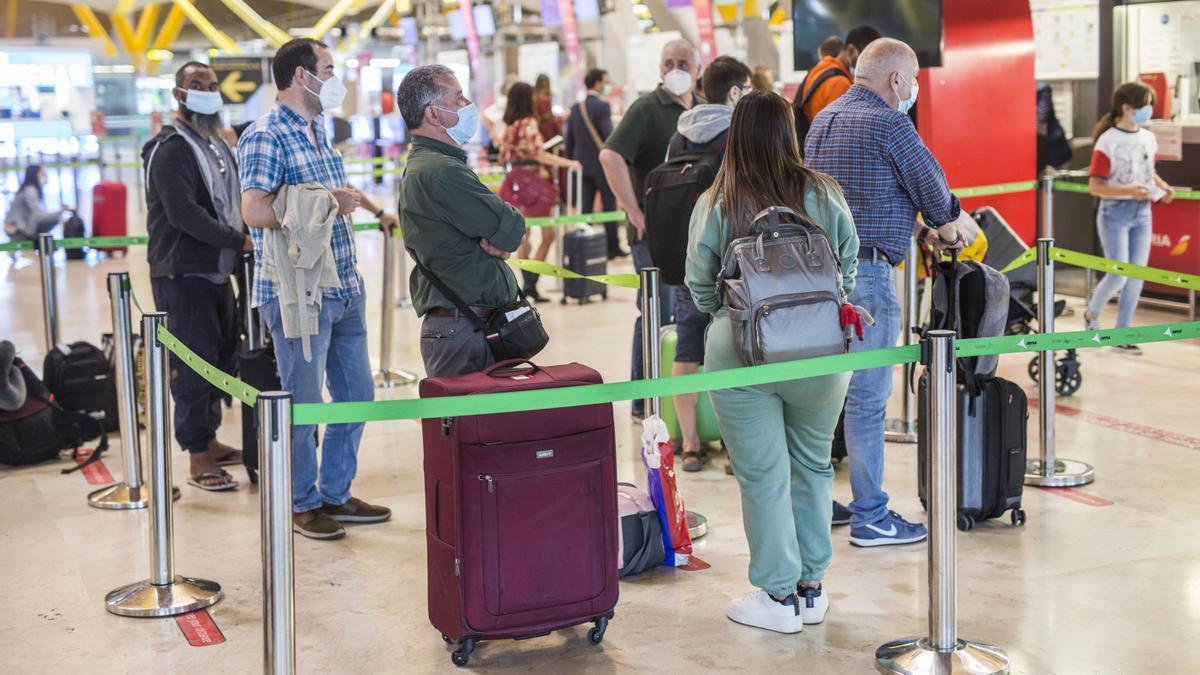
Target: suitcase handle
(509, 364)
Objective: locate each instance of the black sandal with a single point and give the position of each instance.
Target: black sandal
(694, 460)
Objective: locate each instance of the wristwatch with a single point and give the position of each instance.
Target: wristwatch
(379, 213)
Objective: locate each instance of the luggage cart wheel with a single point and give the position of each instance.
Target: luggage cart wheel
(462, 655)
(1033, 369)
(447, 640)
(1017, 516)
(1067, 378)
(596, 634)
(965, 523)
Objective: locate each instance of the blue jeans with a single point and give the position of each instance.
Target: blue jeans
(641, 258)
(1124, 226)
(339, 353)
(866, 400)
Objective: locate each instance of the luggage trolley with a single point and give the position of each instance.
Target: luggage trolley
(1004, 246)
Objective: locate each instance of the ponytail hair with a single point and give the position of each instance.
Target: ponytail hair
(1133, 94)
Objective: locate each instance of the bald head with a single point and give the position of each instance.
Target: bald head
(889, 68)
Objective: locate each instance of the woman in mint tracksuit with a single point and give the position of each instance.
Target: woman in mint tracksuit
(779, 436)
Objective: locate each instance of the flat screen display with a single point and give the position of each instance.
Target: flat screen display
(916, 22)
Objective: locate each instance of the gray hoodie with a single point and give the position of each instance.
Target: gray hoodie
(704, 122)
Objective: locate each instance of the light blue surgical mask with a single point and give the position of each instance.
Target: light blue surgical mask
(468, 123)
(909, 102)
(1142, 114)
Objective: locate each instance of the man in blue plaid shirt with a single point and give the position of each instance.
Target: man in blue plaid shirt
(867, 142)
(288, 146)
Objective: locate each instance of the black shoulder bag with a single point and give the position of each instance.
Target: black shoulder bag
(513, 331)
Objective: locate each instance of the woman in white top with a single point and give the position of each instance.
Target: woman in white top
(1123, 177)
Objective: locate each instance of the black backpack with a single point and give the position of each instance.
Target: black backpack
(81, 379)
(73, 227)
(671, 190)
(803, 124)
(40, 428)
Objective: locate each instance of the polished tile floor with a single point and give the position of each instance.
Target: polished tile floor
(1102, 580)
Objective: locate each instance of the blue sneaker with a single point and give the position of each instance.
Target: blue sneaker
(841, 514)
(890, 531)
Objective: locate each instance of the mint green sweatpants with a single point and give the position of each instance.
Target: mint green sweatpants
(779, 438)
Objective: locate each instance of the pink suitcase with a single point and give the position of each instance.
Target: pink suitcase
(521, 512)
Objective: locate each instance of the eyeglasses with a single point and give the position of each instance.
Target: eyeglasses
(219, 156)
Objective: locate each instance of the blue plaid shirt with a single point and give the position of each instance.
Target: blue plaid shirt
(275, 151)
(885, 171)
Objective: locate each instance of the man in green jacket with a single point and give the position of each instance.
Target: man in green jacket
(454, 227)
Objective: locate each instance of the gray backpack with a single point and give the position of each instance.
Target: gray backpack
(783, 288)
(971, 299)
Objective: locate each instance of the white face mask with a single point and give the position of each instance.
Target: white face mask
(332, 92)
(202, 102)
(678, 82)
(909, 102)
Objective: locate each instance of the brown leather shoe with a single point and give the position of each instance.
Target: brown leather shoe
(357, 511)
(316, 524)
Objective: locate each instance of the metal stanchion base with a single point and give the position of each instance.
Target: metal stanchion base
(120, 496)
(180, 597)
(1067, 473)
(697, 525)
(385, 379)
(898, 431)
(916, 655)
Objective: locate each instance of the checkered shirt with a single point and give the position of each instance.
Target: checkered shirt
(275, 151)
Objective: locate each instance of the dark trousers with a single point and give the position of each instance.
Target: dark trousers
(592, 184)
(203, 316)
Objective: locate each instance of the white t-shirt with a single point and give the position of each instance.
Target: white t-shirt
(1125, 158)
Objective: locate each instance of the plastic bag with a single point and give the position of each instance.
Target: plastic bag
(659, 459)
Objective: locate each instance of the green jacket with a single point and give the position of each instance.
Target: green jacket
(444, 212)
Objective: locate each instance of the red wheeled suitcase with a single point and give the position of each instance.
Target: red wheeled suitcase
(520, 512)
(108, 213)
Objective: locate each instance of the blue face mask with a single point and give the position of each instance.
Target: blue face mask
(1142, 114)
(468, 123)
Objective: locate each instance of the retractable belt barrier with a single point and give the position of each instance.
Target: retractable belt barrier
(1092, 262)
(565, 397)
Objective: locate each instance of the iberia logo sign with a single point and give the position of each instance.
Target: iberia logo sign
(1164, 241)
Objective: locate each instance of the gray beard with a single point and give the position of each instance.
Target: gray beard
(207, 125)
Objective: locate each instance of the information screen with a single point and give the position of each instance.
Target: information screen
(916, 22)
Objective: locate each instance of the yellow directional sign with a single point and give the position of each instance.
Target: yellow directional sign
(233, 88)
(239, 77)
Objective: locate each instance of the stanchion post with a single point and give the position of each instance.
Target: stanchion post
(129, 494)
(651, 325)
(904, 430)
(942, 651)
(1191, 304)
(279, 615)
(164, 593)
(386, 376)
(45, 245)
(404, 302)
(1048, 470)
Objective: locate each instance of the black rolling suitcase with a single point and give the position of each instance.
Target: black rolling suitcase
(256, 366)
(992, 447)
(838, 452)
(585, 251)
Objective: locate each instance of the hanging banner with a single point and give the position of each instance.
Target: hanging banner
(566, 11)
(704, 27)
(551, 16)
(678, 4)
(468, 17)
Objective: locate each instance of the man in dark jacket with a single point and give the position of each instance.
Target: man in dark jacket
(196, 233)
(588, 126)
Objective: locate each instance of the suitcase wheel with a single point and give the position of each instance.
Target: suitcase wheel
(447, 640)
(462, 655)
(1017, 516)
(596, 634)
(965, 522)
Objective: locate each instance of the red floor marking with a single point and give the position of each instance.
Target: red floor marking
(199, 628)
(95, 473)
(1077, 496)
(1153, 433)
(694, 564)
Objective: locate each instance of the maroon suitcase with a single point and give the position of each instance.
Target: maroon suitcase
(108, 213)
(520, 512)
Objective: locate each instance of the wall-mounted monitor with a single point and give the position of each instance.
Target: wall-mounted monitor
(916, 22)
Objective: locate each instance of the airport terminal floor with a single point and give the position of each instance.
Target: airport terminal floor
(1101, 579)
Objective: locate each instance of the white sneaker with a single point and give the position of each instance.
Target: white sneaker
(760, 610)
(814, 604)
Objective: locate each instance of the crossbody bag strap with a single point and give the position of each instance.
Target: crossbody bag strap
(463, 308)
(587, 121)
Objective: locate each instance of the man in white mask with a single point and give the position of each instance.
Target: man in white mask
(867, 142)
(637, 146)
(194, 220)
(289, 146)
